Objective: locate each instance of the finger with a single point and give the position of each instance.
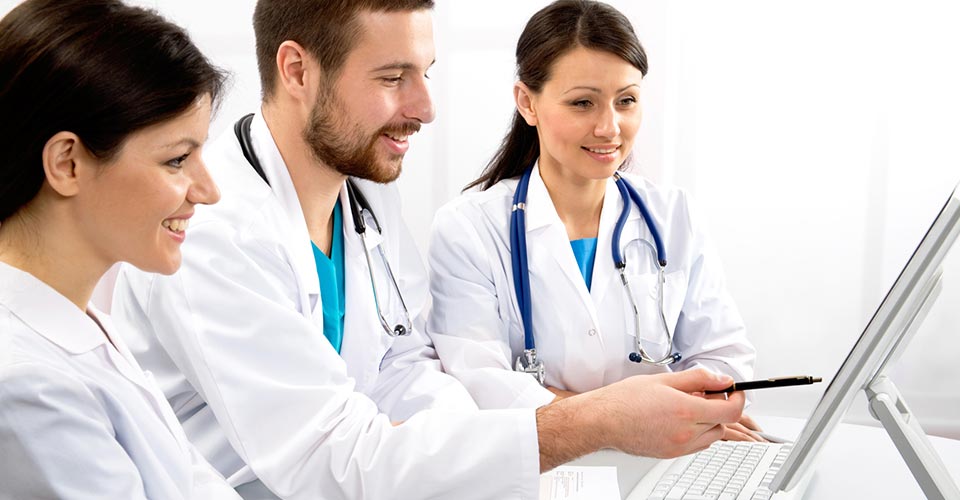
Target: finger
(705, 439)
(697, 380)
(737, 432)
(750, 423)
(718, 411)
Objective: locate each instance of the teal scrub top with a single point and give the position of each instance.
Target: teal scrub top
(330, 273)
(585, 251)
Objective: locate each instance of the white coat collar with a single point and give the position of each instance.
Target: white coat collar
(281, 184)
(539, 207)
(48, 312)
(540, 210)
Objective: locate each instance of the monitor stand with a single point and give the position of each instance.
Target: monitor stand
(889, 407)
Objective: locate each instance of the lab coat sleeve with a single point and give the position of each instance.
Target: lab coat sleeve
(411, 378)
(56, 440)
(207, 482)
(282, 395)
(469, 318)
(710, 325)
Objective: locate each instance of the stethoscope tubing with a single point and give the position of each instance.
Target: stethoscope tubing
(521, 275)
(518, 241)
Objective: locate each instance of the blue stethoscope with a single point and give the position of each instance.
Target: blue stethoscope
(528, 362)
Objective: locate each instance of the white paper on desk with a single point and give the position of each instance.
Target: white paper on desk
(580, 483)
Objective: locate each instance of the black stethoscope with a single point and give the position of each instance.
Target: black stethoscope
(359, 206)
(528, 361)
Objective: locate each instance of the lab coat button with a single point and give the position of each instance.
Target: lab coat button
(592, 332)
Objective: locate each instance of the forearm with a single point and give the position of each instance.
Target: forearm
(568, 429)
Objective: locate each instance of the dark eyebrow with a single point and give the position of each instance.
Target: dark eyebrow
(402, 66)
(186, 140)
(596, 90)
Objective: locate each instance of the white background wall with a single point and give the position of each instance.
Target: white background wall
(818, 138)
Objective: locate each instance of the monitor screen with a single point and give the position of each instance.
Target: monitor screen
(887, 332)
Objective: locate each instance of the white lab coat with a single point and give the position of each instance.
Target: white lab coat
(583, 337)
(235, 340)
(78, 418)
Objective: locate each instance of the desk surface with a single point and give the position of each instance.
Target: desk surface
(857, 461)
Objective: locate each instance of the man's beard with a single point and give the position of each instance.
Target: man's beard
(345, 148)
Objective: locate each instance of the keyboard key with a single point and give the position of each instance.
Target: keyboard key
(676, 493)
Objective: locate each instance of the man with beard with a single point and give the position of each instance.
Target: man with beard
(287, 345)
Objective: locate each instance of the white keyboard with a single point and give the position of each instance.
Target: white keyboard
(724, 471)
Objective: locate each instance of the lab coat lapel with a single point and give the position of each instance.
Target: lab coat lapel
(297, 235)
(123, 360)
(548, 246)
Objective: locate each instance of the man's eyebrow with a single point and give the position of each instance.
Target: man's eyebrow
(400, 65)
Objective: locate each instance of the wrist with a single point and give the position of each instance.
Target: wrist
(568, 429)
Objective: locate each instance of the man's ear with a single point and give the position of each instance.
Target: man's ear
(60, 157)
(298, 72)
(526, 105)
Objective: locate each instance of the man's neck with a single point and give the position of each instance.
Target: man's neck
(317, 184)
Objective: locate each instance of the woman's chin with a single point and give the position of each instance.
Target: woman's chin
(166, 265)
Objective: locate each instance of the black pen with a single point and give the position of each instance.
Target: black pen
(770, 382)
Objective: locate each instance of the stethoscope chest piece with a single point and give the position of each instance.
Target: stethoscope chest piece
(529, 363)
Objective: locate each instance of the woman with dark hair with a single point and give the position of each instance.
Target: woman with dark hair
(105, 108)
(513, 278)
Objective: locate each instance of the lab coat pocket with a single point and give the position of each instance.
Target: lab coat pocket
(646, 293)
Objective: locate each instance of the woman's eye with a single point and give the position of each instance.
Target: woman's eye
(582, 103)
(178, 161)
(392, 80)
(626, 101)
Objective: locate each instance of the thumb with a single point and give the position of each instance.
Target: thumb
(698, 380)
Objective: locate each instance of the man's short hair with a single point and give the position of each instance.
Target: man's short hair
(327, 29)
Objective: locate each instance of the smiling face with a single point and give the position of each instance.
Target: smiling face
(135, 207)
(361, 125)
(587, 114)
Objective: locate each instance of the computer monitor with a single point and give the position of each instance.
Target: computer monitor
(887, 333)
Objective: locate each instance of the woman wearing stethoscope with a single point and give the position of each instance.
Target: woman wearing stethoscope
(562, 273)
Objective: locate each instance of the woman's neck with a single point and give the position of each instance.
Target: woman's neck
(578, 201)
(50, 252)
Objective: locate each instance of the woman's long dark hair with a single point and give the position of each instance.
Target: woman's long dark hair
(98, 68)
(552, 32)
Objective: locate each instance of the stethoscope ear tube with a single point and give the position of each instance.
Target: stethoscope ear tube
(635, 196)
(618, 259)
